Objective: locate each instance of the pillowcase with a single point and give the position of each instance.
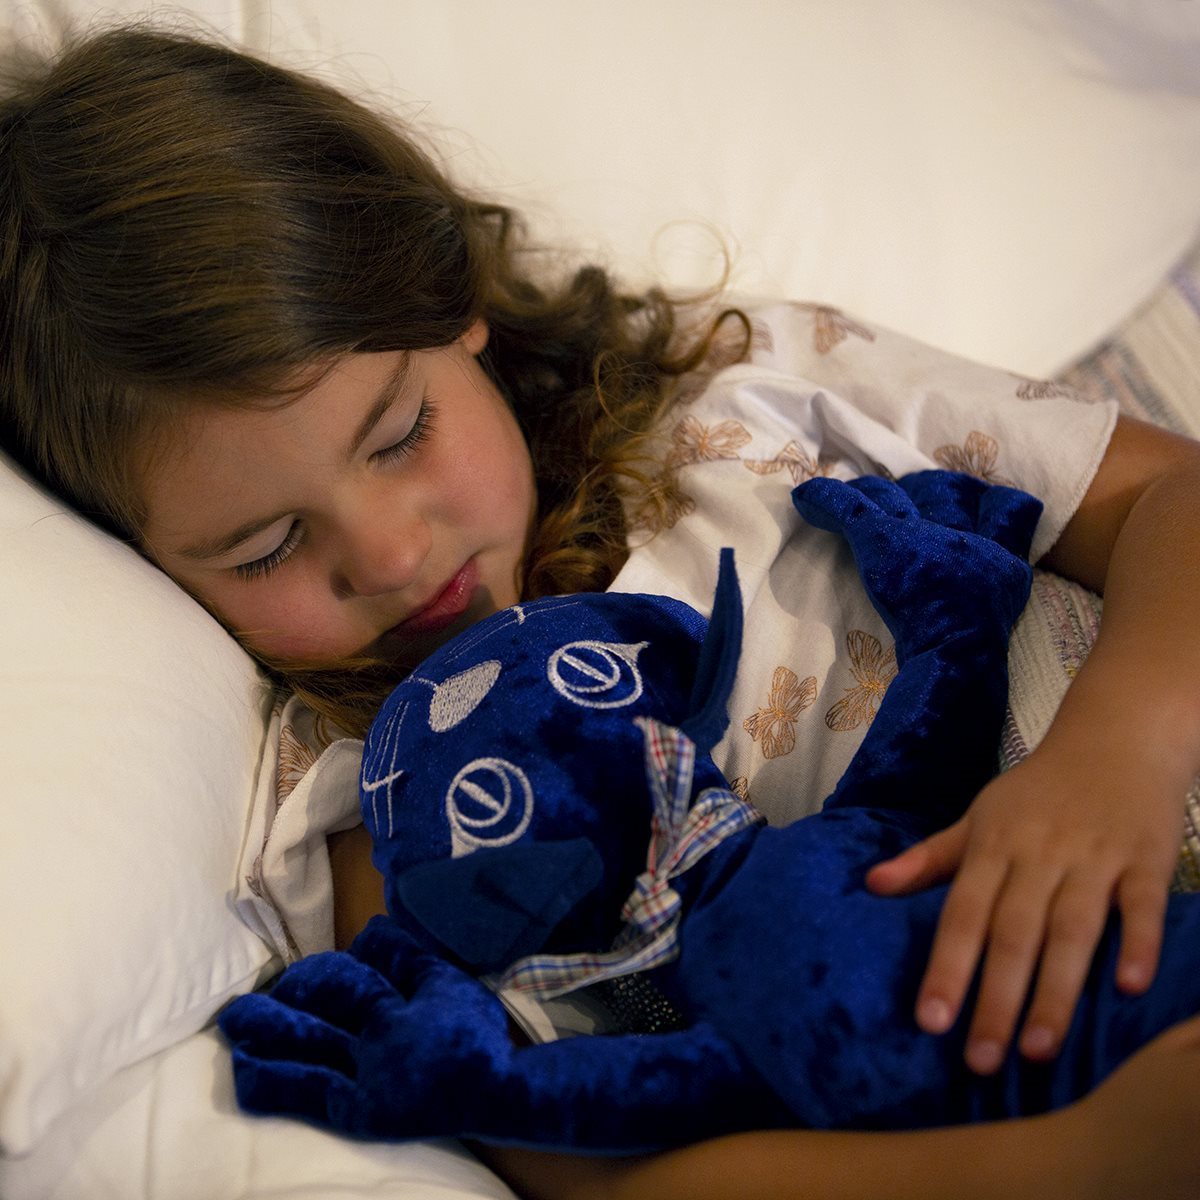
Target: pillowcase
(1007, 181)
(133, 727)
(1004, 181)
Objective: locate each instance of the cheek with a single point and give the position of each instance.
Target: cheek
(516, 492)
(288, 622)
(484, 475)
(512, 484)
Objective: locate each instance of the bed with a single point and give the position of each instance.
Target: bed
(1017, 183)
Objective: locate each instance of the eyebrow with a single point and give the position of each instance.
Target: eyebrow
(223, 543)
(392, 386)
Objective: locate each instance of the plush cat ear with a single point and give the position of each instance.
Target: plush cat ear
(708, 707)
(499, 903)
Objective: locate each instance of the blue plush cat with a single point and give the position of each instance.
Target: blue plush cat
(546, 815)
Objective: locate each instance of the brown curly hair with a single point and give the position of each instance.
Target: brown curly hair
(182, 222)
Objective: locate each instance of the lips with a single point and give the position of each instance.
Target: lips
(445, 608)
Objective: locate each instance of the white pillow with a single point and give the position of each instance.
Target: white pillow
(1005, 181)
(170, 1129)
(133, 726)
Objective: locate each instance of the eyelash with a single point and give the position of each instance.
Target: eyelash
(417, 436)
(261, 567)
(420, 432)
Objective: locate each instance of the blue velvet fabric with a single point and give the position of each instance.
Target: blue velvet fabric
(505, 789)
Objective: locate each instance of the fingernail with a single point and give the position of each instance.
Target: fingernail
(933, 1015)
(983, 1057)
(1037, 1042)
(1131, 976)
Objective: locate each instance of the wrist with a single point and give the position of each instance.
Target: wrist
(1150, 732)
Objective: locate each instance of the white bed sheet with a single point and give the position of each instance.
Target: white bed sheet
(167, 1128)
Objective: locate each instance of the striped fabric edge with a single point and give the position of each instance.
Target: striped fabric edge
(1151, 364)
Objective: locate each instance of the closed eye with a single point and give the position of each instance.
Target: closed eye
(420, 432)
(259, 568)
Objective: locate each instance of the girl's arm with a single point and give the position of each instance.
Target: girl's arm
(1134, 1136)
(1093, 817)
(357, 886)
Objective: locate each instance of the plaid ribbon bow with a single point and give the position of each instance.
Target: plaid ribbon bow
(681, 833)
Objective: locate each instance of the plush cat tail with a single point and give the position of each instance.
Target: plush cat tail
(708, 707)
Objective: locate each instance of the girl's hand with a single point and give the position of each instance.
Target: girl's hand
(1039, 859)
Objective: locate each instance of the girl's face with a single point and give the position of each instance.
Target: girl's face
(383, 511)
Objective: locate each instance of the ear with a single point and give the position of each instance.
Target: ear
(708, 707)
(476, 337)
(500, 903)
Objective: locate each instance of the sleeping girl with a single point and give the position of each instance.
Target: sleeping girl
(253, 329)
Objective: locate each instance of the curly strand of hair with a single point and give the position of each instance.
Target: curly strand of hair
(582, 542)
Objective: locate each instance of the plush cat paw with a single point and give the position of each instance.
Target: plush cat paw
(383, 1040)
(1001, 514)
(951, 499)
(939, 553)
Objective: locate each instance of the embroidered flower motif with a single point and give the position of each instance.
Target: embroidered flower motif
(692, 441)
(874, 668)
(254, 881)
(296, 759)
(794, 458)
(774, 725)
(728, 347)
(976, 456)
(1040, 389)
(761, 338)
(740, 787)
(660, 505)
(831, 327)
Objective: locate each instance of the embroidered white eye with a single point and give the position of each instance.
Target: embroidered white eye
(489, 803)
(597, 674)
(456, 698)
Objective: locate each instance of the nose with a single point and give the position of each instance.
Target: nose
(377, 556)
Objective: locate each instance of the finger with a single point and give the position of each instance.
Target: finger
(890, 497)
(286, 1088)
(265, 1030)
(946, 499)
(829, 504)
(1009, 517)
(393, 952)
(1142, 899)
(958, 943)
(931, 861)
(1076, 922)
(335, 987)
(1015, 939)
